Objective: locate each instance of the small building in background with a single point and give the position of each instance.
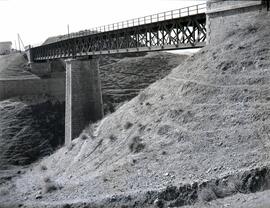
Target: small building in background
(5, 47)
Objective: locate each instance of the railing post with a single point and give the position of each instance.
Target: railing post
(188, 11)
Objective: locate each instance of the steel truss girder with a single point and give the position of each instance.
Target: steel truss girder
(176, 33)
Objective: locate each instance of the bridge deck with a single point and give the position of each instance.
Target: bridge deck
(156, 33)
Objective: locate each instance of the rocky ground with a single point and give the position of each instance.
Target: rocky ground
(199, 137)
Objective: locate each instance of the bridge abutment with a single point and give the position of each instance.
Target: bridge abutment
(42, 68)
(83, 96)
(223, 16)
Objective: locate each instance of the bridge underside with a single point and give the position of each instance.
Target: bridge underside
(172, 34)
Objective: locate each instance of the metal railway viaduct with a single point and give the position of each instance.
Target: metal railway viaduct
(185, 28)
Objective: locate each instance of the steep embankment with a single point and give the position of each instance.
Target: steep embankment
(30, 127)
(33, 126)
(199, 134)
(122, 79)
(14, 66)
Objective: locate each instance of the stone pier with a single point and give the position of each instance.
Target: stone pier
(83, 96)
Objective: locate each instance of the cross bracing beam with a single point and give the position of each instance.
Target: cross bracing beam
(168, 34)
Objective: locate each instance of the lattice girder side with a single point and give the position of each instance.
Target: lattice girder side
(174, 32)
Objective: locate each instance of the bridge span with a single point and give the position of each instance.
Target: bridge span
(183, 28)
(176, 29)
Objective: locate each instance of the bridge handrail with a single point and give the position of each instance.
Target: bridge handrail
(167, 15)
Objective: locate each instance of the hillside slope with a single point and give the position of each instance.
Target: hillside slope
(33, 126)
(123, 79)
(206, 123)
(30, 127)
(13, 66)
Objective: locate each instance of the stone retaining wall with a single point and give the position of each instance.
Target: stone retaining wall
(53, 86)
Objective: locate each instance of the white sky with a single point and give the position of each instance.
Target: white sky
(36, 20)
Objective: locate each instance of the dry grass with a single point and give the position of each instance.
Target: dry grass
(136, 145)
(49, 185)
(43, 167)
(112, 138)
(128, 125)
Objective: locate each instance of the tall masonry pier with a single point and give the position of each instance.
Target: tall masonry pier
(83, 96)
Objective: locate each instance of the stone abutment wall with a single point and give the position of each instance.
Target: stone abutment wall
(223, 16)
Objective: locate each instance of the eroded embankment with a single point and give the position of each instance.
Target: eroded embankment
(30, 128)
(251, 181)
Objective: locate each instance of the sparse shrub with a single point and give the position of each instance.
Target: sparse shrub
(43, 167)
(170, 193)
(230, 33)
(84, 136)
(136, 145)
(207, 194)
(175, 113)
(252, 28)
(158, 203)
(141, 127)
(47, 179)
(70, 146)
(128, 125)
(49, 187)
(142, 97)
(113, 138)
(224, 66)
(89, 131)
(164, 130)
(4, 192)
(67, 206)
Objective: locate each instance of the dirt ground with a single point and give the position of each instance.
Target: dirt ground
(198, 137)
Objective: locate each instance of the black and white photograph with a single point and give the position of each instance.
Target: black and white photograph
(134, 104)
